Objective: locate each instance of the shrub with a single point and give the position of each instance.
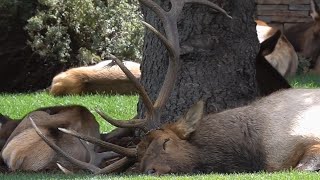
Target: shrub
(86, 31)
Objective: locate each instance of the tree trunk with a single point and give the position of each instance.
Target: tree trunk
(217, 59)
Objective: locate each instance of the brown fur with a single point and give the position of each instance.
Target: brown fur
(104, 77)
(305, 38)
(277, 132)
(283, 58)
(310, 159)
(25, 149)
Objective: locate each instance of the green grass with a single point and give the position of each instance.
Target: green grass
(124, 107)
(305, 81)
(120, 107)
(292, 175)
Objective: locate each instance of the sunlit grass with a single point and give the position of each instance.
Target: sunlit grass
(120, 107)
(305, 81)
(292, 175)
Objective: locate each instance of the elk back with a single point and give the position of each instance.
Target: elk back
(104, 77)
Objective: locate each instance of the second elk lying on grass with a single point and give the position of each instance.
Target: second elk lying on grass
(104, 77)
(25, 150)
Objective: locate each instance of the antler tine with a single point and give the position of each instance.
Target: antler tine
(129, 152)
(161, 37)
(64, 170)
(133, 123)
(115, 166)
(95, 158)
(78, 163)
(96, 170)
(142, 92)
(106, 170)
(170, 27)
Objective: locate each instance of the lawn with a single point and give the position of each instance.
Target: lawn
(124, 107)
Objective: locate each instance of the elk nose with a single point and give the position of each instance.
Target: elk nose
(151, 171)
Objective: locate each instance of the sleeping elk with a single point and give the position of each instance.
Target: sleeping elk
(104, 77)
(305, 38)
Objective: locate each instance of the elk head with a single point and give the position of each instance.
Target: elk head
(167, 149)
(152, 116)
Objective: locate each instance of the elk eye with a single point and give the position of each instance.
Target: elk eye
(164, 143)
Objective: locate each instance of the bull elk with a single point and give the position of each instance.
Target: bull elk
(104, 77)
(305, 38)
(284, 58)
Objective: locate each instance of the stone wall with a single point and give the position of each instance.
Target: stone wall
(283, 13)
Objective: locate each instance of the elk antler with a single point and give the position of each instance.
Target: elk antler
(129, 152)
(171, 42)
(153, 113)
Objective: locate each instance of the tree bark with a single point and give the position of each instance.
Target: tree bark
(217, 59)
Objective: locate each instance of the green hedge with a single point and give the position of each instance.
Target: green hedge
(86, 31)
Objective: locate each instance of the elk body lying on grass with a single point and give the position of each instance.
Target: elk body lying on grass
(305, 38)
(104, 77)
(278, 132)
(25, 150)
(8, 125)
(284, 58)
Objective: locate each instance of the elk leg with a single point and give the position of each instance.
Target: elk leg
(310, 161)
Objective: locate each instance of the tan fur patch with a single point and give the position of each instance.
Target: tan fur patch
(27, 151)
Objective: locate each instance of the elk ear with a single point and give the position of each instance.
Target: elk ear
(188, 123)
(314, 10)
(269, 44)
